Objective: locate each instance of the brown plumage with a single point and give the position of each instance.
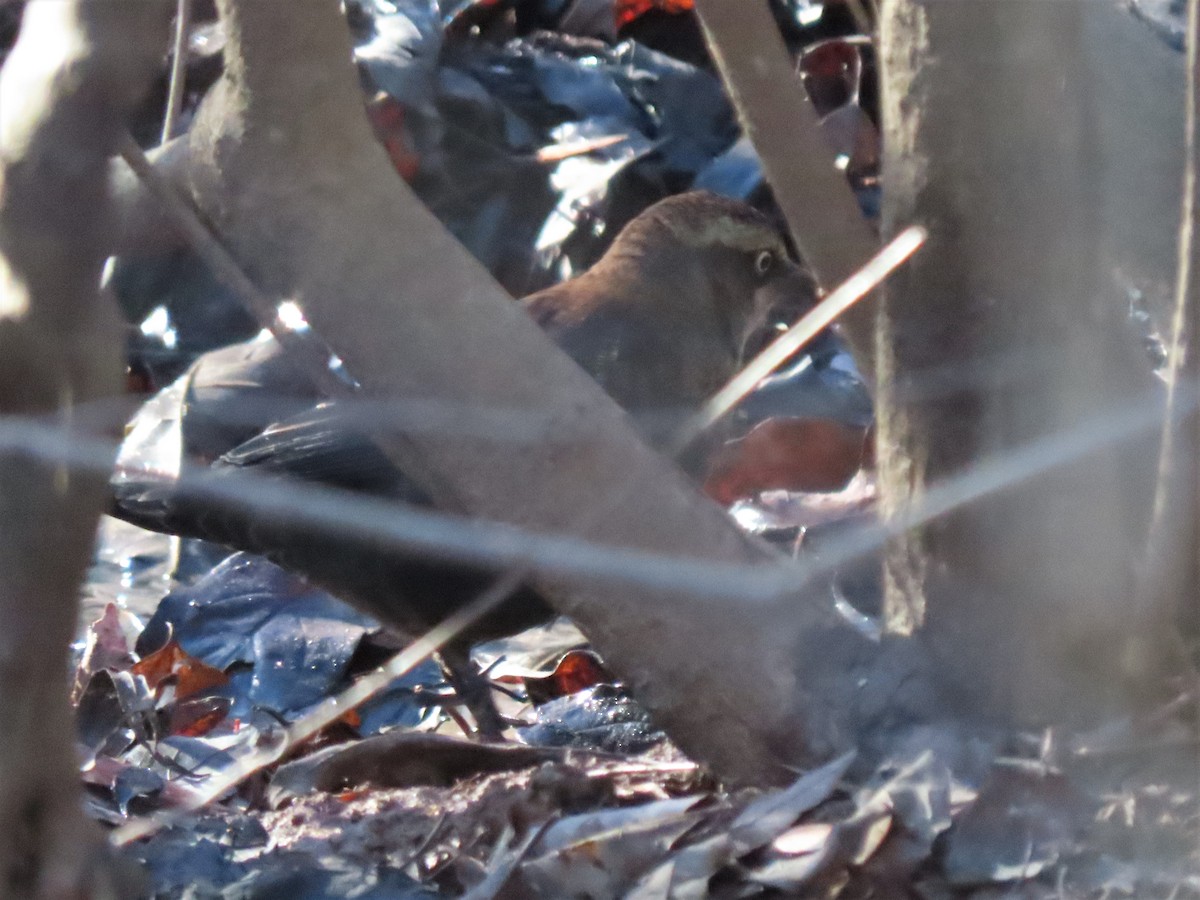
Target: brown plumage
(664, 318)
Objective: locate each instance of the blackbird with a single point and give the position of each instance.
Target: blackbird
(661, 321)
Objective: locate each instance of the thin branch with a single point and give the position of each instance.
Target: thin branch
(392, 527)
(1171, 563)
(1192, 360)
(183, 25)
(140, 223)
(783, 348)
(864, 20)
(304, 347)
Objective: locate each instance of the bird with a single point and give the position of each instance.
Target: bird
(660, 321)
(687, 290)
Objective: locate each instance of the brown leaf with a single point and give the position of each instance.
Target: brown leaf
(198, 716)
(192, 676)
(106, 649)
(577, 670)
(787, 454)
(160, 664)
(196, 677)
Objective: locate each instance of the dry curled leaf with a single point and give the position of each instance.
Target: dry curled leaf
(790, 454)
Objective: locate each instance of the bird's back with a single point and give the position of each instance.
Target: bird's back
(655, 363)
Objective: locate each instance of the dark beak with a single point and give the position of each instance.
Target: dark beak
(778, 305)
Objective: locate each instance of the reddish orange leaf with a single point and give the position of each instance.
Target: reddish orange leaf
(200, 726)
(192, 676)
(196, 677)
(160, 664)
(387, 118)
(628, 10)
(197, 717)
(577, 670)
(787, 454)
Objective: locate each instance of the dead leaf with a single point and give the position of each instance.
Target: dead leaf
(806, 455)
(106, 648)
(628, 10)
(192, 676)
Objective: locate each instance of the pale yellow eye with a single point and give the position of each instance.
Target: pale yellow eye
(764, 262)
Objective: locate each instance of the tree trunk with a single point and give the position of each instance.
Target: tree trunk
(65, 92)
(994, 137)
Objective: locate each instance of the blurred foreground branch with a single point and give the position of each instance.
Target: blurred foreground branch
(1170, 576)
(75, 74)
(824, 218)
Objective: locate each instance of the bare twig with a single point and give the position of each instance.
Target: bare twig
(865, 280)
(397, 528)
(304, 348)
(400, 529)
(504, 867)
(863, 18)
(183, 24)
(1180, 358)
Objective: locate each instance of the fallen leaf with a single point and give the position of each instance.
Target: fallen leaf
(628, 10)
(807, 455)
(578, 670)
(387, 116)
(192, 676)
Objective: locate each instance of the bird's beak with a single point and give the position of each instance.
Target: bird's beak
(778, 305)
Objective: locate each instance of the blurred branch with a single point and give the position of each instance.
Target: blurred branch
(822, 214)
(76, 73)
(1004, 175)
(303, 348)
(183, 24)
(1170, 575)
(141, 224)
(351, 518)
(787, 345)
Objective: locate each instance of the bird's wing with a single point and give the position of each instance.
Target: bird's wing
(407, 590)
(322, 445)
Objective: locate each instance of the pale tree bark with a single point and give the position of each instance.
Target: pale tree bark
(994, 142)
(65, 92)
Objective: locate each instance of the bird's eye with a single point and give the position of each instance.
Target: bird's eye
(764, 261)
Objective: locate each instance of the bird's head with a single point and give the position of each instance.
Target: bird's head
(706, 254)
